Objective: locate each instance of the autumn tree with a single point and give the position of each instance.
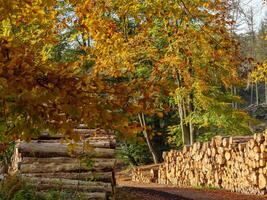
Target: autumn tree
(129, 60)
(38, 91)
(183, 50)
(259, 73)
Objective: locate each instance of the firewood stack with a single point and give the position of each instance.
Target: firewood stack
(146, 174)
(233, 163)
(54, 162)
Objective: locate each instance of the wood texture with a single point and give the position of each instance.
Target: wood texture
(92, 176)
(233, 163)
(57, 162)
(35, 149)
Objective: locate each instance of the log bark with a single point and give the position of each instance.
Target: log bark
(57, 149)
(56, 166)
(61, 160)
(84, 176)
(57, 162)
(103, 142)
(219, 163)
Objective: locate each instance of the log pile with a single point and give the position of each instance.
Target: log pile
(56, 162)
(146, 174)
(238, 164)
(233, 163)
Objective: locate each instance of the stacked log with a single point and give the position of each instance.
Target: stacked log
(238, 164)
(56, 162)
(146, 174)
(233, 163)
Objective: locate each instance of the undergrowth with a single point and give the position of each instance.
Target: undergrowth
(13, 188)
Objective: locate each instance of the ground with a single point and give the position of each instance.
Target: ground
(136, 191)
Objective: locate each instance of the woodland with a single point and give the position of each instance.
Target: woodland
(161, 74)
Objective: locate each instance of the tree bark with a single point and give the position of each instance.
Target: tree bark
(186, 133)
(251, 94)
(93, 142)
(148, 141)
(257, 93)
(58, 149)
(85, 176)
(65, 167)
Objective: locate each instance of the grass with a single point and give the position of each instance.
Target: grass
(209, 187)
(13, 188)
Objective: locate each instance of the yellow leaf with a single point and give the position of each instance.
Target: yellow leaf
(160, 114)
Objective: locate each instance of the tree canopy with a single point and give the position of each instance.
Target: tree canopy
(104, 63)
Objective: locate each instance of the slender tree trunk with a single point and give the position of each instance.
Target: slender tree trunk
(236, 103)
(232, 93)
(187, 138)
(180, 111)
(186, 125)
(192, 134)
(187, 130)
(251, 94)
(257, 93)
(191, 127)
(265, 91)
(148, 141)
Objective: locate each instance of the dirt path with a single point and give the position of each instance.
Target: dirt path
(135, 191)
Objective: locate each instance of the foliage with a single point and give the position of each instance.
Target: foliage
(149, 38)
(175, 138)
(260, 73)
(103, 63)
(6, 153)
(254, 48)
(10, 186)
(13, 188)
(27, 193)
(133, 153)
(52, 92)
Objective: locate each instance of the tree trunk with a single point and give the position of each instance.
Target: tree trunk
(257, 93)
(192, 134)
(236, 104)
(232, 93)
(251, 94)
(148, 141)
(151, 148)
(186, 134)
(184, 110)
(189, 111)
(266, 92)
